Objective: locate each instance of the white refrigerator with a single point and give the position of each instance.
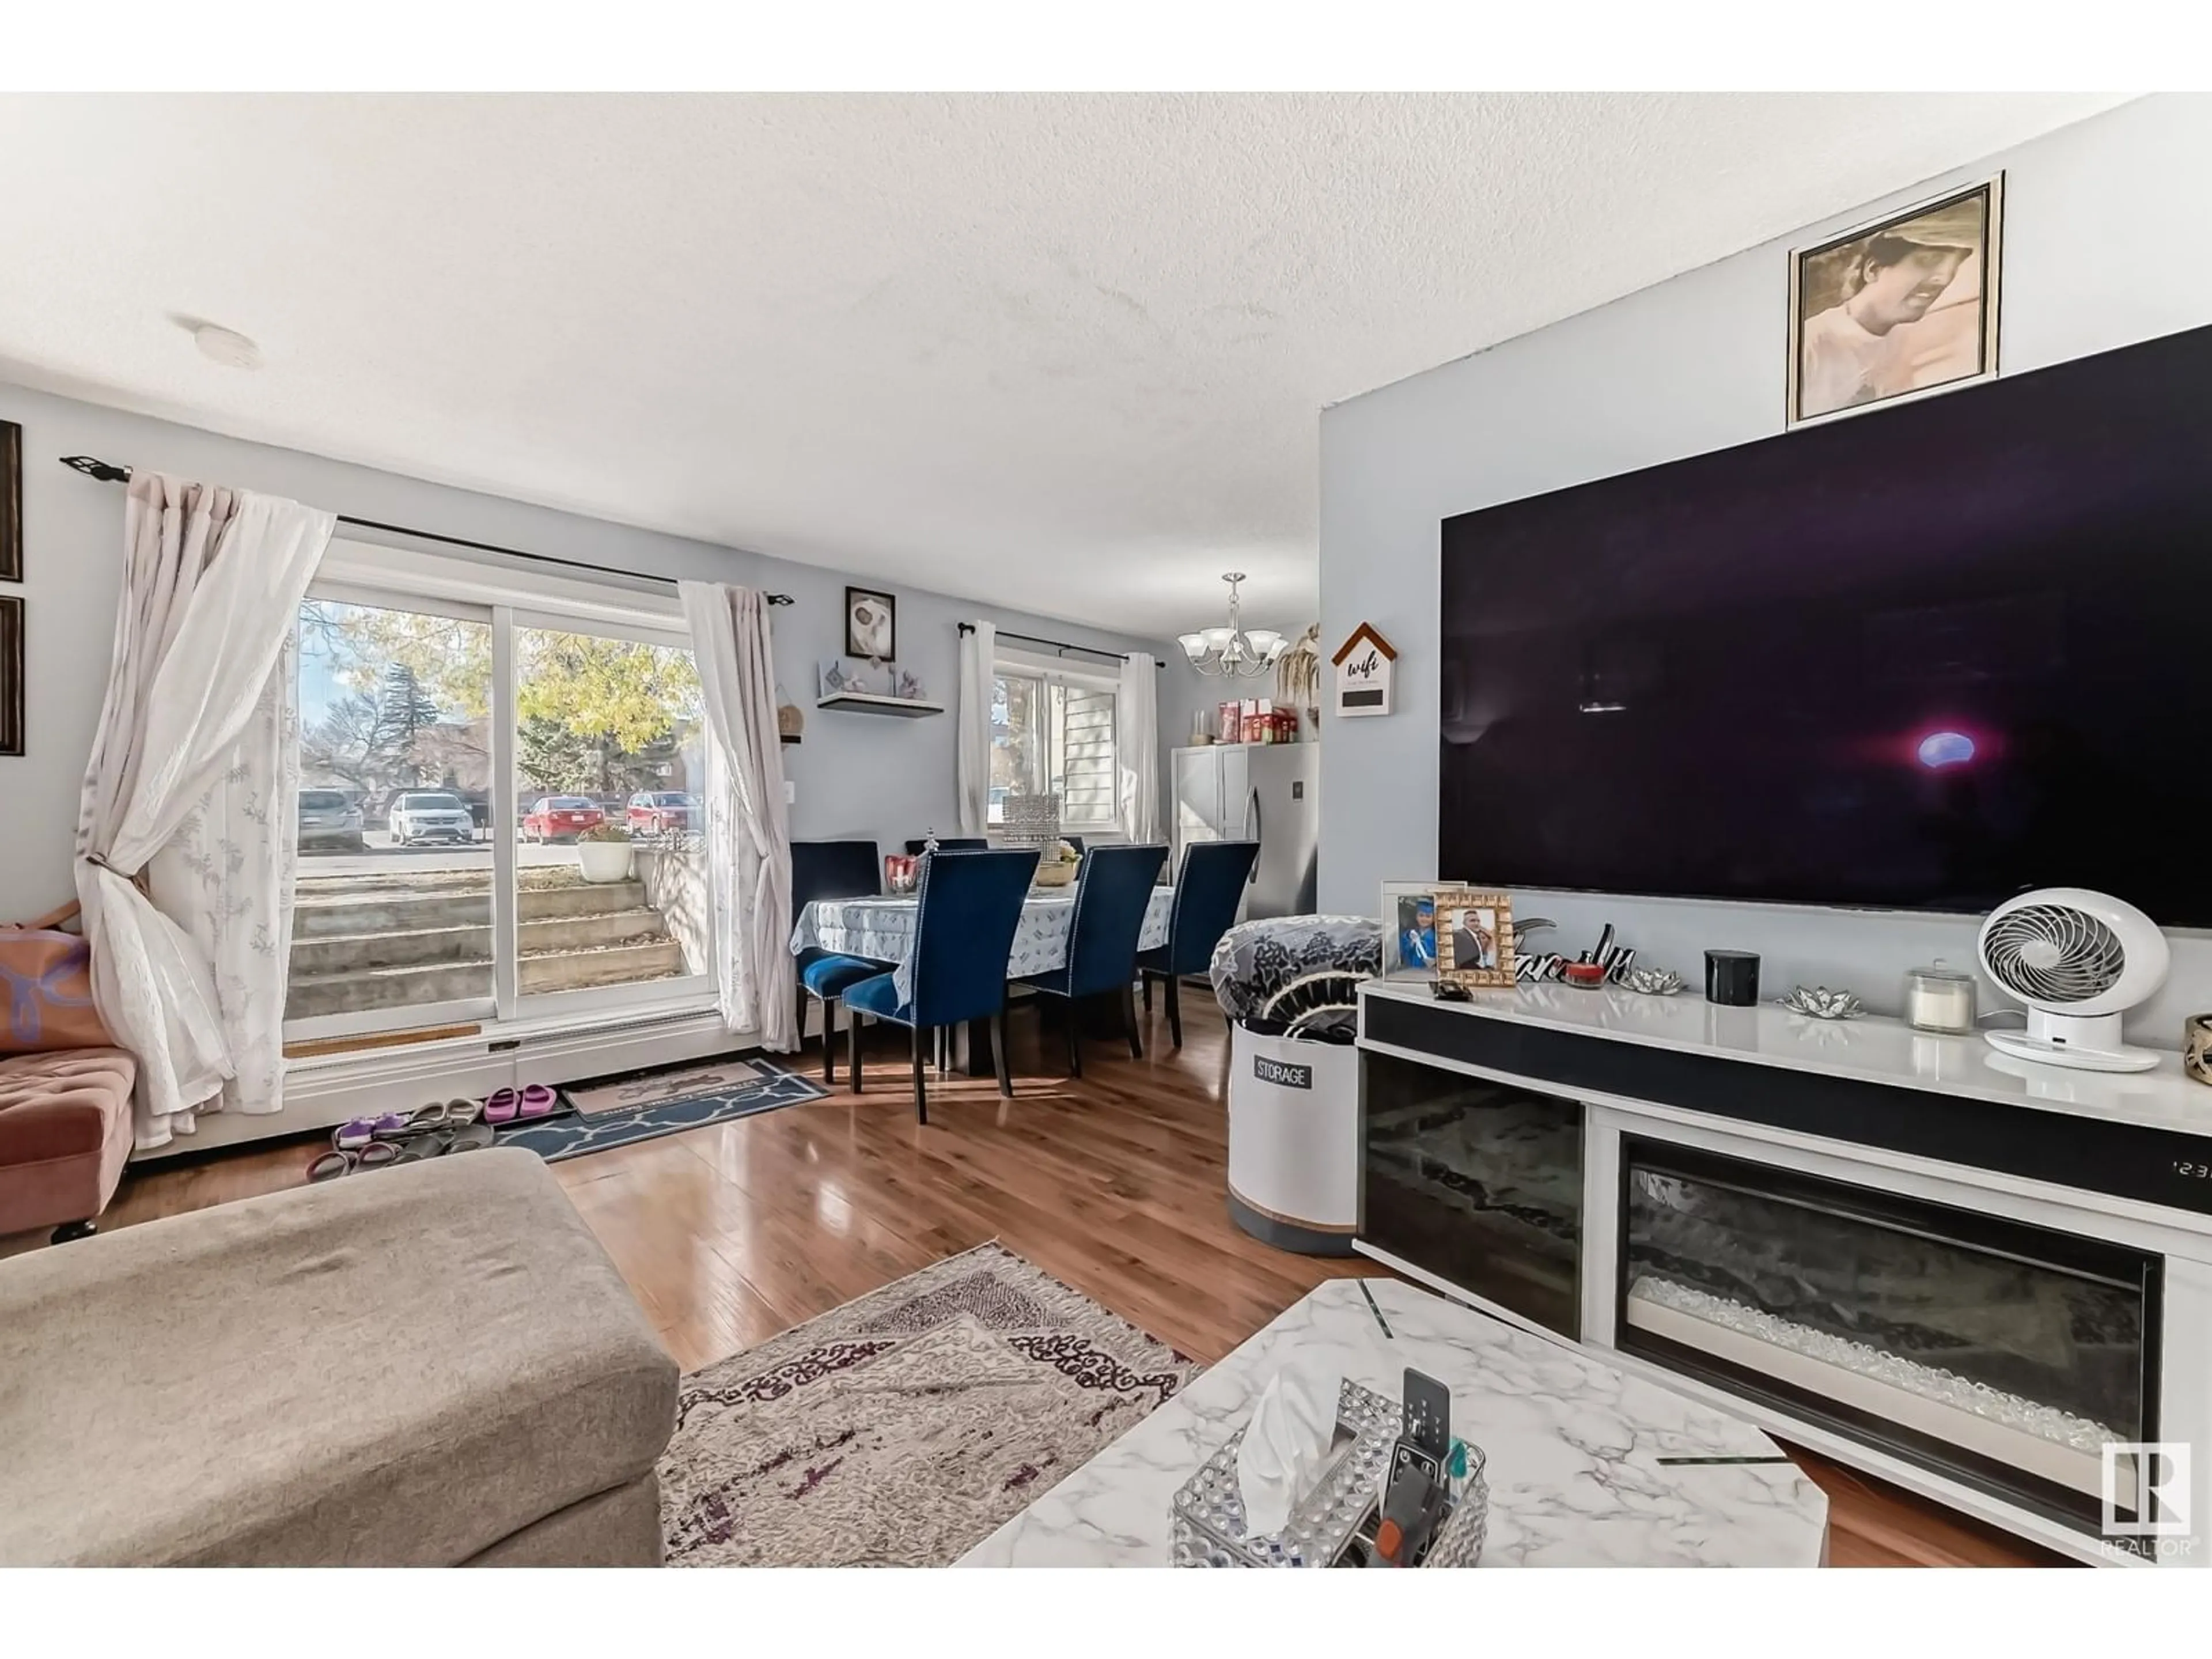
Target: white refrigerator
(1269, 792)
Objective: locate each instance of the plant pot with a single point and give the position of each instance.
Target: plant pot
(604, 861)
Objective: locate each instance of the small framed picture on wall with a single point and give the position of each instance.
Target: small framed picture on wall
(1474, 936)
(12, 674)
(1901, 307)
(871, 625)
(11, 502)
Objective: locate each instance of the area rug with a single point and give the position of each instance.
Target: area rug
(903, 1428)
(719, 1093)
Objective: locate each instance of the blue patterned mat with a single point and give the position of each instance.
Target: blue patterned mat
(572, 1134)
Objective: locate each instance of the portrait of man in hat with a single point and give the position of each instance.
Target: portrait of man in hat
(1903, 307)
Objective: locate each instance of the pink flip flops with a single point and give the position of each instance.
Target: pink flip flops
(506, 1105)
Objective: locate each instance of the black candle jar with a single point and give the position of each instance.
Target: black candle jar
(1732, 978)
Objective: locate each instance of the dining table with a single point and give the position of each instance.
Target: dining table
(880, 927)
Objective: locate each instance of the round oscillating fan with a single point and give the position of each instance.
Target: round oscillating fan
(2077, 959)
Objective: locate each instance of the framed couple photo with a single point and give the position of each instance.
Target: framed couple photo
(1432, 932)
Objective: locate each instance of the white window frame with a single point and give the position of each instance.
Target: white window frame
(505, 598)
(1052, 670)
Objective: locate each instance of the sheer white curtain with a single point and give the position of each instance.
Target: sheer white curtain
(749, 833)
(185, 835)
(979, 659)
(1137, 747)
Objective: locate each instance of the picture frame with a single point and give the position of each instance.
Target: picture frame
(1475, 936)
(1408, 916)
(1900, 307)
(12, 734)
(11, 502)
(871, 625)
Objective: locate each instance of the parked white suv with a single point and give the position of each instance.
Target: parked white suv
(430, 815)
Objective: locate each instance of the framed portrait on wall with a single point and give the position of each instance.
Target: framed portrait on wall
(1897, 308)
(871, 625)
(12, 674)
(11, 502)
(1474, 936)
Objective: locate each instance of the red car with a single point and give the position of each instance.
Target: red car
(658, 812)
(561, 817)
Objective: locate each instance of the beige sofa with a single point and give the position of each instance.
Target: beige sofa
(435, 1364)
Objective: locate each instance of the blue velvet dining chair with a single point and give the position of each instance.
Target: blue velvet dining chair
(1207, 890)
(1111, 893)
(914, 849)
(964, 932)
(830, 870)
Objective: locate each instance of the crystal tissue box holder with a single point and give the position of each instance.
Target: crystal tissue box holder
(1209, 1510)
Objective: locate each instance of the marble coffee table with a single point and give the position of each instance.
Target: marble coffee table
(1579, 1470)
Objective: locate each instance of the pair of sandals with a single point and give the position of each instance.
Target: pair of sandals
(504, 1106)
(431, 1131)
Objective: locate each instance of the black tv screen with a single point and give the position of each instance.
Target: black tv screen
(1923, 657)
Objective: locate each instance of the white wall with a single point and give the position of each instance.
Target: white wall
(2105, 245)
(855, 775)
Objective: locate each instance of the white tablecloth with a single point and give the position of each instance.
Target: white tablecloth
(882, 930)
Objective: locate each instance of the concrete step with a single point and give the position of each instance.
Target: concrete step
(419, 985)
(332, 953)
(386, 911)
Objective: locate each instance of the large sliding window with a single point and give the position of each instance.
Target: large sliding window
(466, 761)
(1052, 732)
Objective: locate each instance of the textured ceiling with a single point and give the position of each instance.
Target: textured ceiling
(1063, 352)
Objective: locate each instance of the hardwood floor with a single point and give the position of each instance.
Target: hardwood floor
(1114, 1184)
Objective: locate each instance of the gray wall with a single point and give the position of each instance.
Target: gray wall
(855, 775)
(2099, 252)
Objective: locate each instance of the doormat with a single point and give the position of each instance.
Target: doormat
(710, 1094)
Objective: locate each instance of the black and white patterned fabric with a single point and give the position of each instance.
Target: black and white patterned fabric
(1297, 975)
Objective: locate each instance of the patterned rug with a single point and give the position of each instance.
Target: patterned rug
(903, 1429)
(731, 1090)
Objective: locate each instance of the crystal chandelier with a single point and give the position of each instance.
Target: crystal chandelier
(1232, 650)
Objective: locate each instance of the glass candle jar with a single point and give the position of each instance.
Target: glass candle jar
(1939, 999)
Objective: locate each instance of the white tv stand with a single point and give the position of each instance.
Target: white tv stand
(2122, 1160)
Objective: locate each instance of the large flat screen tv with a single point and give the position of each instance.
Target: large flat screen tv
(1922, 658)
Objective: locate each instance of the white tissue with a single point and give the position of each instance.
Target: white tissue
(1285, 1446)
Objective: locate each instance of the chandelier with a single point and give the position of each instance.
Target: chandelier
(1234, 650)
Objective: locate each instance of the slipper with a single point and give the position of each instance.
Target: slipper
(331, 1165)
(474, 1139)
(376, 1155)
(416, 1148)
(391, 1126)
(432, 1116)
(459, 1113)
(344, 1160)
(501, 1106)
(537, 1101)
(354, 1132)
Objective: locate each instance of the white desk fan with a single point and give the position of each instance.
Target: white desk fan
(2077, 959)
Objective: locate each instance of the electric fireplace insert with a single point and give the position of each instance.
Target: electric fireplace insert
(2002, 1354)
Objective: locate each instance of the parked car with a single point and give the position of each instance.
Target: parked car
(661, 812)
(561, 817)
(328, 820)
(430, 815)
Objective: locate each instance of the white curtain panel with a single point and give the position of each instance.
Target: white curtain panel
(185, 829)
(1137, 747)
(979, 659)
(747, 825)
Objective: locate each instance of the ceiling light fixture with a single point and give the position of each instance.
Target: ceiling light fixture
(1232, 651)
(222, 345)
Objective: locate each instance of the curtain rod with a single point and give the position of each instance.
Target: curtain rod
(107, 472)
(1061, 646)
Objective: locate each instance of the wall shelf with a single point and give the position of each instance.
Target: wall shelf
(870, 702)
